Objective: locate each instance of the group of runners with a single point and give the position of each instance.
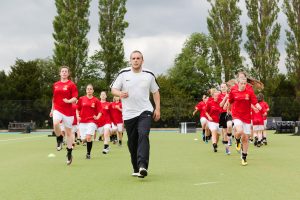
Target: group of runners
(234, 112)
(80, 119)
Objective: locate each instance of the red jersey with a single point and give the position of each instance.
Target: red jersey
(266, 107)
(105, 117)
(214, 110)
(74, 107)
(257, 117)
(116, 114)
(88, 108)
(241, 104)
(201, 107)
(61, 91)
(220, 99)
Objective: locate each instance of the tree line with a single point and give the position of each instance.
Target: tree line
(205, 60)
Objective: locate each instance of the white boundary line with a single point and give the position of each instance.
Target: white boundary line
(23, 138)
(205, 183)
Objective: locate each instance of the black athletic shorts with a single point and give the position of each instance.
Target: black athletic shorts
(223, 119)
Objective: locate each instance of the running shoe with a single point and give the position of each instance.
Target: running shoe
(244, 162)
(142, 172)
(227, 150)
(238, 147)
(88, 156)
(105, 150)
(59, 146)
(135, 174)
(69, 158)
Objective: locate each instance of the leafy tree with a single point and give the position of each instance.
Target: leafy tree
(177, 105)
(292, 10)
(192, 72)
(225, 29)
(263, 34)
(70, 30)
(110, 57)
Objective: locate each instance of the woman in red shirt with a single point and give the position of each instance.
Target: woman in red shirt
(64, 94)
(201, 107)
(117, 119)
(241, 100)
(88, 112)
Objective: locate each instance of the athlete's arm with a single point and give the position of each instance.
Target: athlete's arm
(156, 98)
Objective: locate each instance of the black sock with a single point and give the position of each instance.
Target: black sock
(215, 145)
(203, 132)
(244, 156)
(89, 146)
(238, 141)
(60, 139)
(229, 134)
(120, 141)
(106, 146)
(225, 142)
(69, 150)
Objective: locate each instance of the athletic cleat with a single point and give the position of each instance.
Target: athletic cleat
(105, 150)
(59, 146)
(88, 156)
(142, 172)
(244, 162)
(227, 151)
(69, 159)
(135, 174)
(265, 142)
(238, 147)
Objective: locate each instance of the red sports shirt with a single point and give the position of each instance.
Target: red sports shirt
(201, 106)
(116, 114)
(241, 104)
(265, 105)
(63, 90)
(105, 117)
(214, 110)
(257, 117)
(88, 108)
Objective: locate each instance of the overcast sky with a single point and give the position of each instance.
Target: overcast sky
(158, 28)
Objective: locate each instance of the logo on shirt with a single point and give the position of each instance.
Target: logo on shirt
(65, 87)
(247, 97)
(93, 105)
(127, 80)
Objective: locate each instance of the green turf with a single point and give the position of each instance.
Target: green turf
(180, 168)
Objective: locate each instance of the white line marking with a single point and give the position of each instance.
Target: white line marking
(24, 138)
(206, 183)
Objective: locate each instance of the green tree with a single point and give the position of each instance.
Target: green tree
(292, 10)
(263, 34)
(225, 29)
(192, 72)
(70, 30)
(112, 27)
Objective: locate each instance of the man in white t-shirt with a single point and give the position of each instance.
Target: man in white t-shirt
(133, 85)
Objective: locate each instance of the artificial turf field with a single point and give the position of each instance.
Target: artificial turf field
(180, 168)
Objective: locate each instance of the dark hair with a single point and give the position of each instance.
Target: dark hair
(260, 97)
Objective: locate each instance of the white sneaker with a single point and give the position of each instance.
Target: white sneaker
(135, 174)
(105, 151)
(59, 147)
(142, 172)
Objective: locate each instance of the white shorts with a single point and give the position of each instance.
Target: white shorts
(258, 127)
(265, 124)
(67, 121)
(213, 126)
(87, 129)
(74, 128)
(203, 120)
(101, 129)
(246, 127)
(119, 127)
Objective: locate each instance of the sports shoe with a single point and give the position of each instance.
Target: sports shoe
(227, 151)
(142, 172)
(105, 150)
(88, 156)
(244, 162)
(238, 147)
(265, 142)
(59, 146)
(135, 174)
(69, 159)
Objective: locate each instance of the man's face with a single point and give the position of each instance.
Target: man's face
(136, 60)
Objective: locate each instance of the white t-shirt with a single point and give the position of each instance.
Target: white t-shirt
(138, 86)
